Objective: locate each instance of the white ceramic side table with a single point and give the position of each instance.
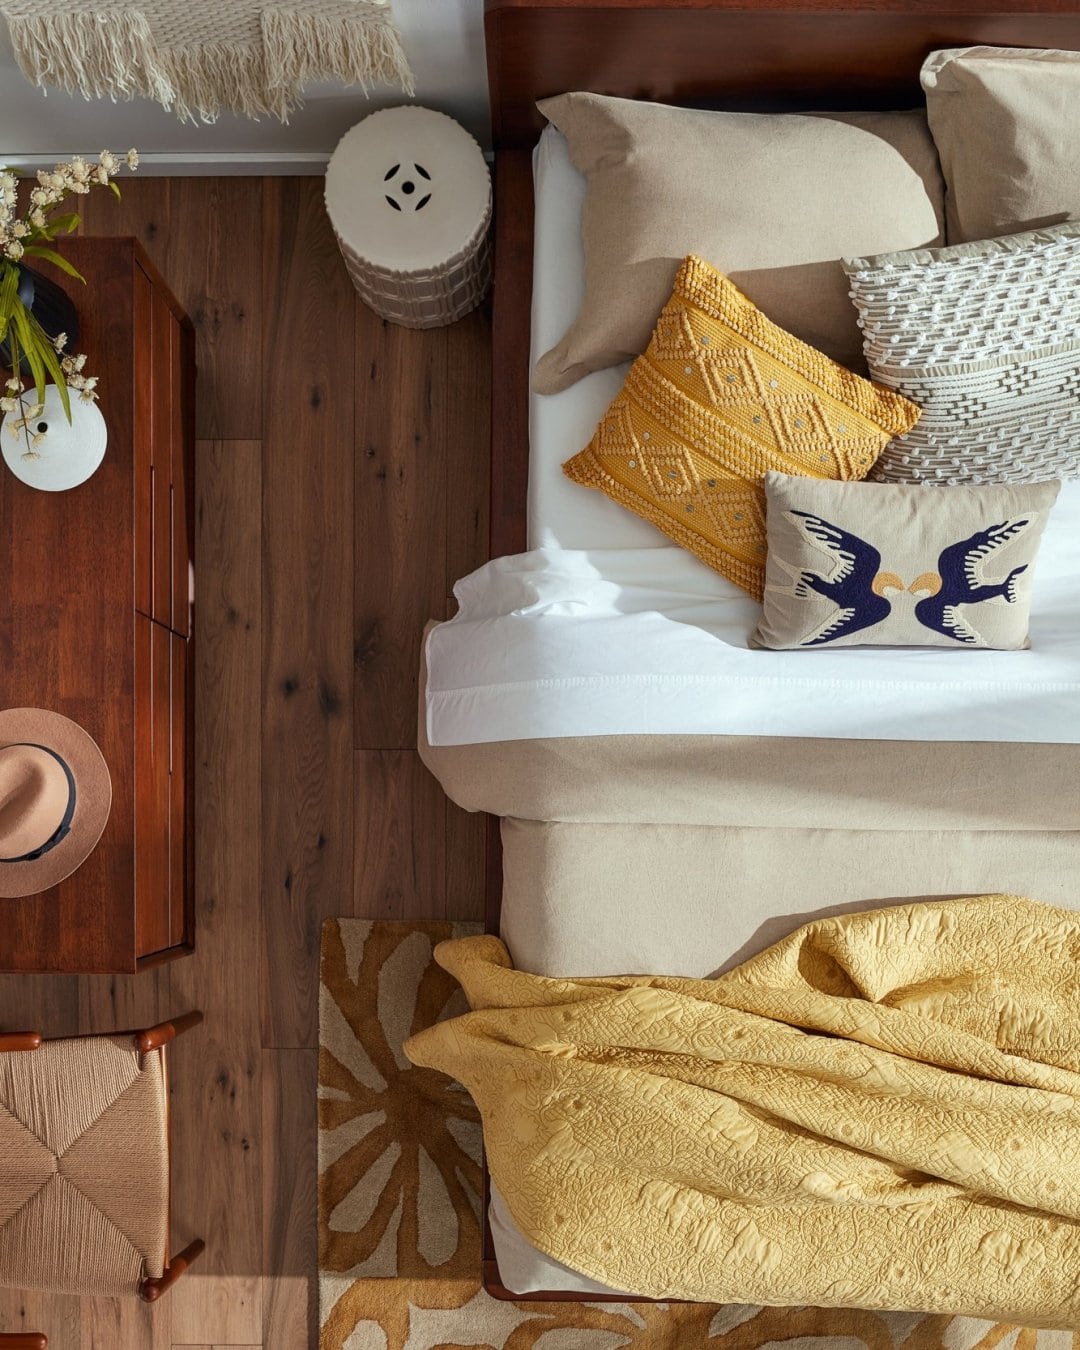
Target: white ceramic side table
(408, 193)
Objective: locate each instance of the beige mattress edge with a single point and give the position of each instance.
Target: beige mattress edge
(761, 780)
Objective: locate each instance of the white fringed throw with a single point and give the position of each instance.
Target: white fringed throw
(197, 57)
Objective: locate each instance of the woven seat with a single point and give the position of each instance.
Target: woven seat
(84, 1166)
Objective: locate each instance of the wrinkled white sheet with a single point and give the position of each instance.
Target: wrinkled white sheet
(562, 642)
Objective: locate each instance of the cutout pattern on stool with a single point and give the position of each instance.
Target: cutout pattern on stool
(408, 188)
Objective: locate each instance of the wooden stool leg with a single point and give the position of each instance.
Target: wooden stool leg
(23, 1340)
(152, 1289)
(12, 1041)
(156, 1037)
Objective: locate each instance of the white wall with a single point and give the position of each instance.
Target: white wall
(445, 44)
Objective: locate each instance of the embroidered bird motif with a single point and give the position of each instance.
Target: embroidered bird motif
(959, 580)
(856, 583)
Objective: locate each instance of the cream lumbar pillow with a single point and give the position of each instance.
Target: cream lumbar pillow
(773, 201)
(888, 565)
(985, 338)
(1006, 121)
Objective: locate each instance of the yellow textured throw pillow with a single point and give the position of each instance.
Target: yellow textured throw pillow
(720, 398)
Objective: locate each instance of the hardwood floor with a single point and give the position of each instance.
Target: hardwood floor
(342, 489)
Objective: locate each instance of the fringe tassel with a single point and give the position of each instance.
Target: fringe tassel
(109, 55)
(113, 54)
(216, 75)
(363, 48)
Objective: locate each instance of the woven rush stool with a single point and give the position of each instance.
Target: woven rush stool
(85, 1193)
(408, 193)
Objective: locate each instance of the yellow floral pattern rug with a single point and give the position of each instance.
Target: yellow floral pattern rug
(399, 1198)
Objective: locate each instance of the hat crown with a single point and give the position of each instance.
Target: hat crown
(34, 797)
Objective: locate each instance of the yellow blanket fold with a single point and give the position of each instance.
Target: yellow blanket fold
(881, 1111)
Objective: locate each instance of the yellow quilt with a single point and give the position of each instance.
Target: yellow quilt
(881, 1111)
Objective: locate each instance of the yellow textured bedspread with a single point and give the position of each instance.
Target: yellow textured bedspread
(881, 1111)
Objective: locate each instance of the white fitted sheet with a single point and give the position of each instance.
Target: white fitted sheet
(605, 628)
(563, 514)
(560, 642)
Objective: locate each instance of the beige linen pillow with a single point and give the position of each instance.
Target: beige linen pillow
(891, 565)
(1006, 121)
(773, 201)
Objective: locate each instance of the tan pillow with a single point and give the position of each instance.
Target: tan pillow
(893, 565)
(720, 397)
(773, 201)
(1007, 125)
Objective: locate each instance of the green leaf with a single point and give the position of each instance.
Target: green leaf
(67, 224)
(9, 286)
(51, 361)
(57, 260)
(30, 348)
(115, 190)
(48, 355)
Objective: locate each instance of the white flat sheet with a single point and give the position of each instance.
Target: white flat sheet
(610, 642)
(605, 628)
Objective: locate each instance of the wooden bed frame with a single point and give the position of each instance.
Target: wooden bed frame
(749, 55)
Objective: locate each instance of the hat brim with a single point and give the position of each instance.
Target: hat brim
(93, 797)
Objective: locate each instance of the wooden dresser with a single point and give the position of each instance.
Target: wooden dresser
(95, 623)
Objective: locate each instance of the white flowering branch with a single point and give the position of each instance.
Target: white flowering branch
(23, 238)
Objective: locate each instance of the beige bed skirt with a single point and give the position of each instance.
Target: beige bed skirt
(682, 855)
(767, 780)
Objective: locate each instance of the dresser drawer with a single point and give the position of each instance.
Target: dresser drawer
(153, 754)
(181, 825)
(161, 426)
(162, 795)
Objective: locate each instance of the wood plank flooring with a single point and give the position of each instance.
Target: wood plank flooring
(342, 489)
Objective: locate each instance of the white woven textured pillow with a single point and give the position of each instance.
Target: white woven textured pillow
(985, 338)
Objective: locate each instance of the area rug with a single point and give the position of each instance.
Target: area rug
(200, 57)
(399, 1198)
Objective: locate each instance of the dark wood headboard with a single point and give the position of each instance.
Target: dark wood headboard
(737, 54)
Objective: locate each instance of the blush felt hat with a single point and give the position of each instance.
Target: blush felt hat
(55, 795)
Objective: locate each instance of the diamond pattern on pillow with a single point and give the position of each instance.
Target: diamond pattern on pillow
(721, 397)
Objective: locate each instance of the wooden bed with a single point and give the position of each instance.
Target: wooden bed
(774, 55)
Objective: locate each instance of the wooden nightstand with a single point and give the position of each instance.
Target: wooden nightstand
(96, 623)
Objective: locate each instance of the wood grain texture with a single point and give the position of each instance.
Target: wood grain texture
(290, 1310)
(28, 1313)
(218, 249)
(276, 551)
(766, 55)
(511, 319)
(116, 1322)
(207, 234)
(217, 1113)
(466, 446)
(401, 475)
(308, 601)
(400, 838)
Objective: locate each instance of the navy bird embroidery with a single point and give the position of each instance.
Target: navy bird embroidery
(856, 583)
(959, 580)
